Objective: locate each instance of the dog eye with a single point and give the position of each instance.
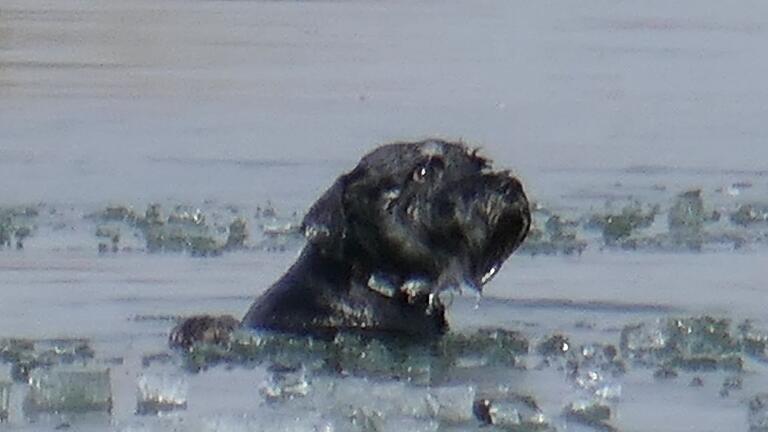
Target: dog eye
(420, 173)
(428, 169)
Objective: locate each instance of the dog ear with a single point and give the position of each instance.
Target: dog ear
(324, 225)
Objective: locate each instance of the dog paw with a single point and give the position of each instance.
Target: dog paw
(202, 329)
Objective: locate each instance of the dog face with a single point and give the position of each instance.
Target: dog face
(429, 210)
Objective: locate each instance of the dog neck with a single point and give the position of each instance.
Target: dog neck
(322, 294)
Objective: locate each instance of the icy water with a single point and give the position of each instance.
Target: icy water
(232, 105)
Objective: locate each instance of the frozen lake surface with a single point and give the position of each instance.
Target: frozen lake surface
(230, 105)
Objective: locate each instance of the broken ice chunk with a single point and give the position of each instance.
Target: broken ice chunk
(591, 414)
(160, 392)
(488, 346)
(373, 420)
(260, 419)
(686, 219)
(695, 344)
(512, 412)
(69, 389)
(451, 404)
(556, 345)
(594, 367)
(286, 383)
(640, 342)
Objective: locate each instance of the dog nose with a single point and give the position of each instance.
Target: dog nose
(500, 191)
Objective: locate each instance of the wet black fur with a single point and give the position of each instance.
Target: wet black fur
(429, 213)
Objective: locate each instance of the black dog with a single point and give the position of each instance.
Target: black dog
(409, 222)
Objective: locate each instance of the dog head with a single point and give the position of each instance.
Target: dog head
(432, 211)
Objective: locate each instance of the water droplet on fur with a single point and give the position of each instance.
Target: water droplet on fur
(415, 287)
(381, 285)
(389, 197)
(391, 194)
(489, 274)
(316, 231)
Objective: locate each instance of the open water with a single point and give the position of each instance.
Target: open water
(251, 103)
